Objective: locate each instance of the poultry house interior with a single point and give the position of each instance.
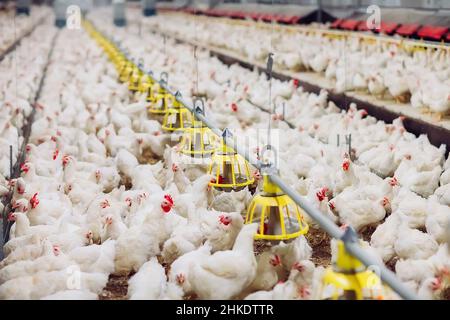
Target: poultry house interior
(224, 150)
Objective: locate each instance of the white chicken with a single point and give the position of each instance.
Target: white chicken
(95, 258)
(293, 252)
(72, 295)
(180, 268)
(183, 239)
(266, 273)
(385, 236)
(438, 220)
(414, 244)
(51, 260)
(225, 274)
(149, 283)
(220, 230)
(43, 284)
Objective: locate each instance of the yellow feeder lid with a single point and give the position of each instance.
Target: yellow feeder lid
(144, 83)
(269, 187)
(345, 262)
(361, 285)
(348, 278)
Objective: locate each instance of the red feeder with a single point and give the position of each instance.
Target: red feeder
(350, 24)
(388, 27)
(432, 32)
(407, 30)
(336, 23)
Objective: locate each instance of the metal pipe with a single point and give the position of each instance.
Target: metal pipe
(119, 16)
(10, 162)
(319, 11)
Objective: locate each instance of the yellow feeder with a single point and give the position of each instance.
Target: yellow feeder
(349, 279)
(230, 170)
(135, 78)
(177, 118)
(126, 72)
(152, 91)
(145, 84)
(199, 140)
(120, 62)
(160, 102)
(279, 217)
(116, 56)
(108, 47)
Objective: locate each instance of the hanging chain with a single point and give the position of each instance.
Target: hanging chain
(269, 72)
(16, 53)
(164, 43)
(196, 69)
(195, 55)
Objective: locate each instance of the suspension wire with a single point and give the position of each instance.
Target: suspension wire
(196, 70)
(16, 80)
(195, 54)
(164, 44)
(270, 109)
(269, 72)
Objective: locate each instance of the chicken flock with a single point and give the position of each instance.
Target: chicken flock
(385, 70)
(103, 189)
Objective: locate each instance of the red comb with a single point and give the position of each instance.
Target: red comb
(11, 216)
(331, 205)
(168, 198)
(55, 154)
(34, 201)
(24, 167)
(321, 194)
